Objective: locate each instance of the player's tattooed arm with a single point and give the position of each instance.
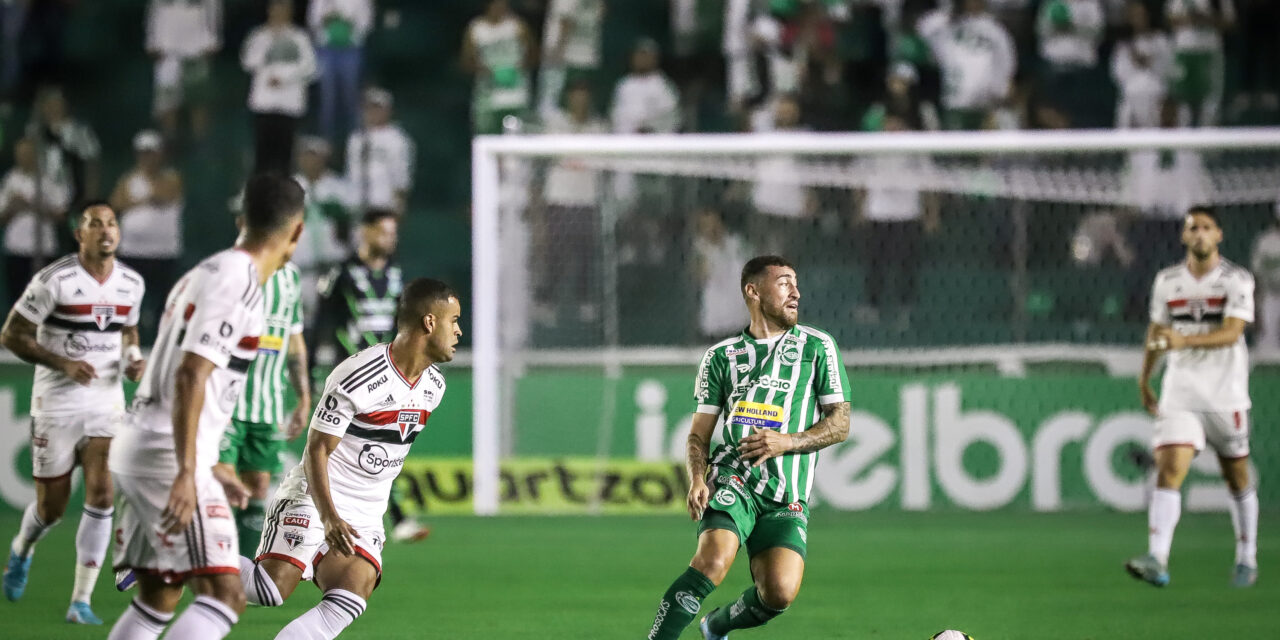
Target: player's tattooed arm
(19, 336)
(832, 429)
(698, 448)
(299, 379)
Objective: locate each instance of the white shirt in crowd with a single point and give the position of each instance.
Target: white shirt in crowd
(583, 41)
(890, 196)
(1213, 380)
(379, 165)
(1078, 45)
(282, 63)
(976, 57)
(721, 312)
(148, 229)
(1164, 184)
(1198, 38)
(20, 234)
(646, 102)
(184, 28)
(569, 183)
(1141, 67)
(359, 13)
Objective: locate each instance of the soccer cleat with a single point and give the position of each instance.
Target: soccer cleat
(80, 613)
(125, 579)
(15, 576)
(704, 626)
(1244, 576)
(1148, 569)
(410, 531)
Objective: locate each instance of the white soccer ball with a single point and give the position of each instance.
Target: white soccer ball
(951, 634)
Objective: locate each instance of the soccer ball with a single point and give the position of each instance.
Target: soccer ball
(951, 634)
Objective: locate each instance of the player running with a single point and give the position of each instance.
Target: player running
(775, 395)
(325, 523)
(176, 527)
(78, 323)
(1198, 313)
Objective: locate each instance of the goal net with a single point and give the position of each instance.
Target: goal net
(605, 265)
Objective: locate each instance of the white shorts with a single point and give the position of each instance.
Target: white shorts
(292, 532)
(56, 441)
(1227, 431)
(206, 547)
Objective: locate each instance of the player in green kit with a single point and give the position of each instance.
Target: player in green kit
(257, 433)
(775, 395)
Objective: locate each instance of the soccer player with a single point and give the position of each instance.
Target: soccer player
(325, 523)
(775, 394)
(257, 432)
(176, 527)
(1199, 310)
(77, 322)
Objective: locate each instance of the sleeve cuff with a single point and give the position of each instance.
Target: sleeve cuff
(709, 409)
(23, 311)
(219, 360)
(328, 430)
(296, 330)
(1247, 317)
(834, 398)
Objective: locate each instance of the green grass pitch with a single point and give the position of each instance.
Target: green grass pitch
(870, 575)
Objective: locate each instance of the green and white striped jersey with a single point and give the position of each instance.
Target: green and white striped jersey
(263, 397)
(780, 384)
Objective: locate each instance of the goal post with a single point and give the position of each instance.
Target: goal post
(1024, 174)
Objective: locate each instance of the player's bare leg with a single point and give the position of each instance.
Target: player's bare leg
(39, 517)
(270, 581)
(94, 533)
(778, 572)
(1244, 519)
(347, 582)
(249, 519)
(1172, 464)
(217, 607)
(710, 564)
(150, 611)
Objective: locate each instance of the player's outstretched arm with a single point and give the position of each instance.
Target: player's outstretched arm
(337, 532)
(1224, 336)
(696, 455)
(1154, 346)
(19, 336)
(300, 379)
(188, 400)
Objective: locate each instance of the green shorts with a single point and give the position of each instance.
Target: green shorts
(758, 522)
(252, 446)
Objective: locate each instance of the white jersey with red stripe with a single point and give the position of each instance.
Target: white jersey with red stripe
(1214, 380)
(378, 414)
(80, 318)
(215, 312)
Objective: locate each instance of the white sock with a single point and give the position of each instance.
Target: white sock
(139, 622)
(1162, 519)
(258, 586)
(1244, 520)
(337, 609)
(92, 538)
(206, 618)
(33, 528)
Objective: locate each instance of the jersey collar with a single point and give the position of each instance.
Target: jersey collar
(396, 369)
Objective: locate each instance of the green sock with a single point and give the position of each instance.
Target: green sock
(249, 524)
(680, 604)
(745, 612)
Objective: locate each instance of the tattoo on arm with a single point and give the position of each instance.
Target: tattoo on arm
(833, 428)
(697, 450)
(19, 336)
(298, 377)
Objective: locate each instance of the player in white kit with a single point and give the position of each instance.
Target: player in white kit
(77, 322)
(325, 522)
(175, 527)
(1199, 310)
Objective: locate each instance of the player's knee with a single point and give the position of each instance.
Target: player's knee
(98, 497)
(778, 592)
(232, 597)
(715, 566)
(51, 509)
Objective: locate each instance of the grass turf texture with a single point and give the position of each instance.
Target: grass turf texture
(871, 575)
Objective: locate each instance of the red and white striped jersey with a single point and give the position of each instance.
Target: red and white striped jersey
(1204, 379)
(378, 414)
(80, 318)
(215, 312)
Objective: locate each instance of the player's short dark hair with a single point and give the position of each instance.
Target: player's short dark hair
(1204, 210)
(271, 200)
(417, 297)
(91, 204)
(374, 216)
(756, 266)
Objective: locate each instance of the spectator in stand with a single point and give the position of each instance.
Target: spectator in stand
(718, 258)
(976, 57)
(499, 51)
(29, 214)
(339, 29)
(645, 100)
(570, 49)
(327, 229)
(72, 148)
(182, 36)
(379, 158)
(785, 207)
(1070, 34)
(148, 203)
(1141, 64)
(903, 99)
(1198, 27)
(279, 56)
(1259, 59)
(1264, 261)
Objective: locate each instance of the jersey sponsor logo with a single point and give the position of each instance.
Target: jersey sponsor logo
(296, 521)
(102, 314)
(77, 345)
(374, 459)
(217, 511)
(795, 506)
(270, 345)
(743, 368)
(770, 382)
(735, 352)
(725, 497)
(376, 383)
(428, 395)
(78, 292)
(757, 414)
(687, 601)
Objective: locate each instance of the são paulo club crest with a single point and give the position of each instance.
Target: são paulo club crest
(102, 315)
(408, 421)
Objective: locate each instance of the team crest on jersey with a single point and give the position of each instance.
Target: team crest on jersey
(292, 538)
(102, 315)
(789, 355)
(408, 420)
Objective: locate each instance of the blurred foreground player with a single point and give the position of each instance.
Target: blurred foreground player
(325, 523)
(176, 528)
(776, 393)
(77, 322)
(1199, 310)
